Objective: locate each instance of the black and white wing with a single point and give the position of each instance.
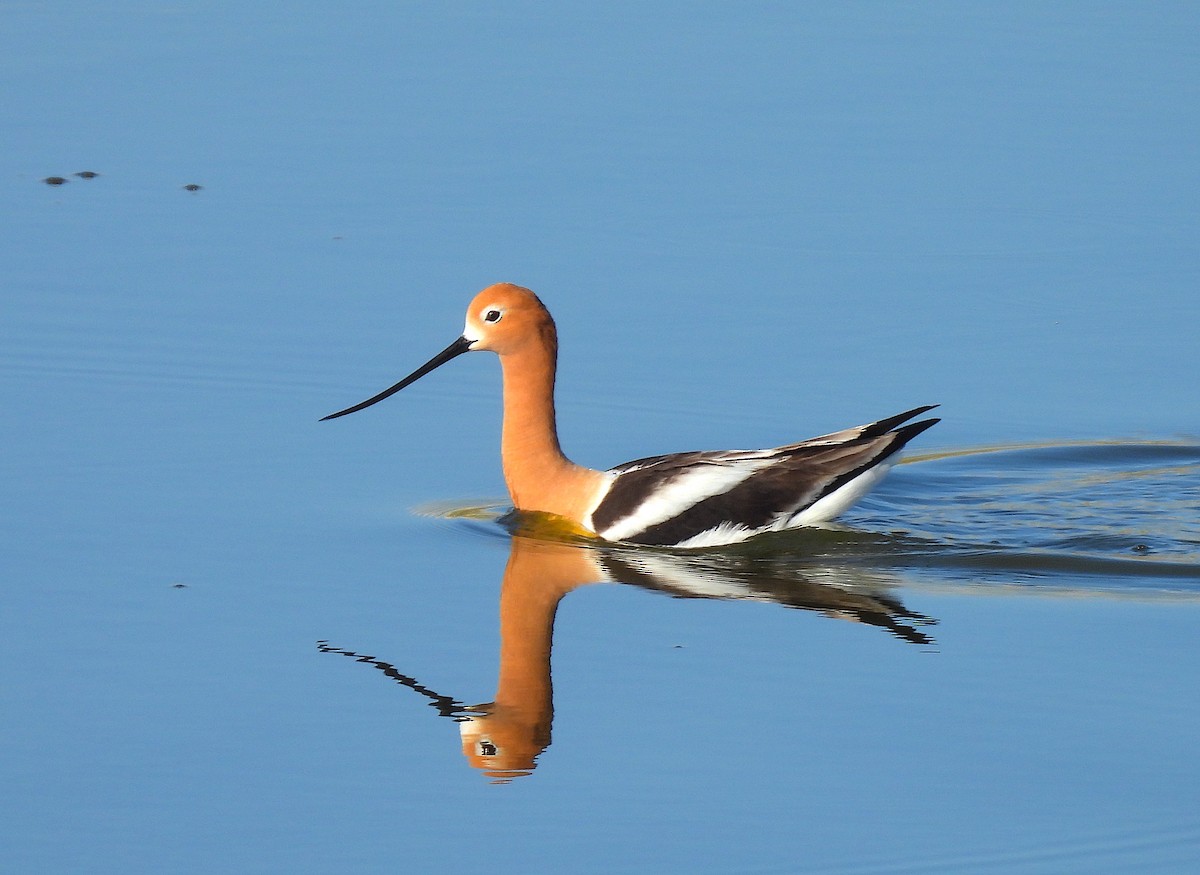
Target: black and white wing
(721, 497)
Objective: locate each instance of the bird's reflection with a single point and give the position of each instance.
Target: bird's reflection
(503, 738)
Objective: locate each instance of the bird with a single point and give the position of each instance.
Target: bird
(684, 500)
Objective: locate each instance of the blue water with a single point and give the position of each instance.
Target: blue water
(753, 223)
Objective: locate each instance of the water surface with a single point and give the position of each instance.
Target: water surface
(753, 223)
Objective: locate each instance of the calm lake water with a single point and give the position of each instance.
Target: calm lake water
(239, 640)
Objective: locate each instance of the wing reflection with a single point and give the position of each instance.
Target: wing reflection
(503, 738)
(854, 594)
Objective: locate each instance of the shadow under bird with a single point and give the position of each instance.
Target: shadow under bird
(695, 499)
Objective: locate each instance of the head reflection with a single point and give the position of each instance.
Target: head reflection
(504, 738)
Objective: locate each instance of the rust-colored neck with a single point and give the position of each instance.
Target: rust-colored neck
(539, 476)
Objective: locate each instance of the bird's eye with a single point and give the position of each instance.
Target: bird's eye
(491, 316)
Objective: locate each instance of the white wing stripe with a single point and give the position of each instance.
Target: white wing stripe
(679, 494)
(831, 506)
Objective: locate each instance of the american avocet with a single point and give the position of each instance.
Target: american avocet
(697, 499)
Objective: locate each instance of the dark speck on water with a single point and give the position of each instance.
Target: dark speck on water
(54, 180)
(191, 186)
(87, 174)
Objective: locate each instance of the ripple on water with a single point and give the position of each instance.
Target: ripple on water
(1129, 511)
(1090, 517)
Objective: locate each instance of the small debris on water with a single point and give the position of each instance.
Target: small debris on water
(1141, 548)
(191, 186)
(54, 180)
(87, 174)
(179, 586)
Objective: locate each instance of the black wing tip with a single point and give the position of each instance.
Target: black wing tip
(902, 435)
(883, 426)
(907, 432)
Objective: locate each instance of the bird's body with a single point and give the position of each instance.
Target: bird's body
(696, 499)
